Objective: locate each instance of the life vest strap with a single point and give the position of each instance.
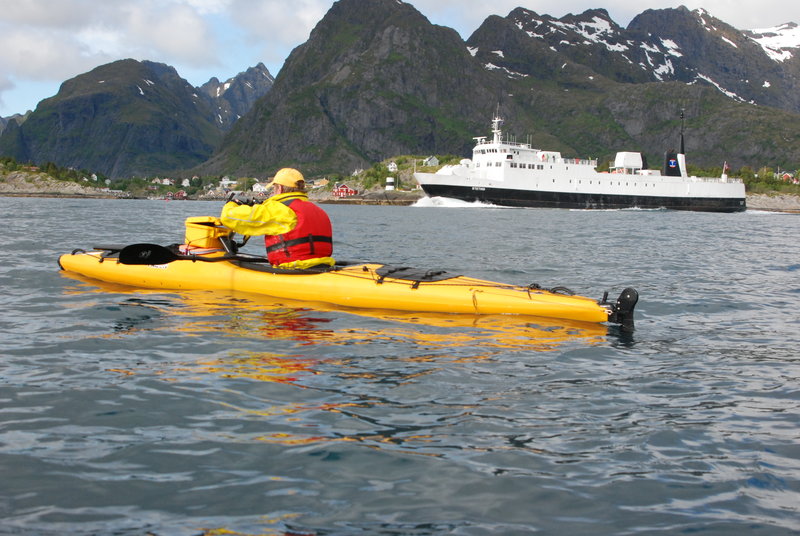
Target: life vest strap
(310, 239)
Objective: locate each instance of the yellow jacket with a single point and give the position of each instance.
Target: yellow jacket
(270, 217)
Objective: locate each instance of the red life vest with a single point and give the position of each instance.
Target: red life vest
(311, 238)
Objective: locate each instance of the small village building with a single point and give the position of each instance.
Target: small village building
(226, 183)
(261, 188)
(343, 190)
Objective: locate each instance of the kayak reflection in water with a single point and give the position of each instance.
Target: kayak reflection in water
(297, 233)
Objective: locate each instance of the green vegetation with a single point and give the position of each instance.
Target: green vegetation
(764, 181)
(49, 168)
(375, 177)
(134, 186)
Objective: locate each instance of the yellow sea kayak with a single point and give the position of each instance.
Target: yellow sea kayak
(365, 286)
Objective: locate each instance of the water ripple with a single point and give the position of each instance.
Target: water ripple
(132, 412)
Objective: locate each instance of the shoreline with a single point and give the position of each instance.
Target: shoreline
(46, 189)
(774, 203)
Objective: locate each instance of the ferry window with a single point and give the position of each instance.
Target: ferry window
(498, 164)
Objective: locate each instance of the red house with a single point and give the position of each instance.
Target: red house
(343, 190)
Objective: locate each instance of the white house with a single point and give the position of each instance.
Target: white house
(226, 183)
(430, 161)
(392, 167)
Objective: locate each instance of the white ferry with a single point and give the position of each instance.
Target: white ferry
(508, 173)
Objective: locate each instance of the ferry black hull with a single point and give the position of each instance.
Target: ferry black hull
(575, 200)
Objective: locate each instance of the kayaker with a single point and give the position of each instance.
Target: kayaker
(298, 233)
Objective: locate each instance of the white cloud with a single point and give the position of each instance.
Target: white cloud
(276, 27)
(176, 32)
(63, 14)
(42, 40)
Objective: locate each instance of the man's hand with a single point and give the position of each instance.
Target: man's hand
(240, 199)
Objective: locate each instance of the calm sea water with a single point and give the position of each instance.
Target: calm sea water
(131, 412)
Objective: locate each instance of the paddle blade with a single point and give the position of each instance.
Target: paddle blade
(146, 254)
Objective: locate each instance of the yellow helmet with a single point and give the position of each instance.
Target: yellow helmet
(288, 177)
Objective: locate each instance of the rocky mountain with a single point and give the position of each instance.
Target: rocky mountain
(759, 67)
(121, 119)
(131, 118)
(376, 78)
(17, 118)
(234, 97)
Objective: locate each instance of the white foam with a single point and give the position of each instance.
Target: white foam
(451, 203)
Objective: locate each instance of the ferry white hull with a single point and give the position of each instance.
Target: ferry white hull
(558, 188)
(513, 174)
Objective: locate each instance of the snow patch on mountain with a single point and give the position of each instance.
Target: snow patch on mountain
(719, 87)
(780, 43)
(672, 48)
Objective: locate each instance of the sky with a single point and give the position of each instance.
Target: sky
(45, 42)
